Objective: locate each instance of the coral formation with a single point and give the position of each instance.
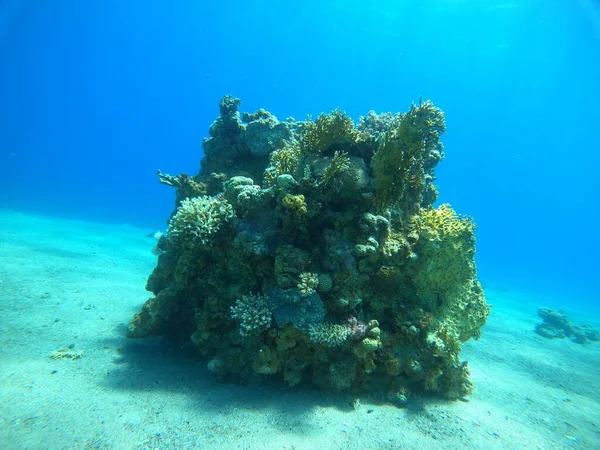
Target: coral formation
(403, 163)
(312, 252)
(329, 334)
(556, 325)
(329, 132)
(197, 220)
(254, 313)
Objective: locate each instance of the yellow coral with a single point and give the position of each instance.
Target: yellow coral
(447, 250)
(283, 161)
(295, 203)
(365, 348)
(399, 163)
(445, 278)
(329, 129)
(445, 223)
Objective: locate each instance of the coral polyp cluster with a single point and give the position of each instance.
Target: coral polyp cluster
(313, 252)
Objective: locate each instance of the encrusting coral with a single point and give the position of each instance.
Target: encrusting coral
(312, 252)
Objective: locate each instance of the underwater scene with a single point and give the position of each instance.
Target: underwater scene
(300, 225)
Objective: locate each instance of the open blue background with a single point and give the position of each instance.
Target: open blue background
(97, 95)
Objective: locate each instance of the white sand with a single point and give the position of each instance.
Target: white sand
(67, 283)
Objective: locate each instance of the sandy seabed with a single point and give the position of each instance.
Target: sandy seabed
(71, 287)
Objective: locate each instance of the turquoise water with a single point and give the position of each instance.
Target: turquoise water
(96, 96)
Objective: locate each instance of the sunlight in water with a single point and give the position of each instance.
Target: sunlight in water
(8, 11)
(592, 11)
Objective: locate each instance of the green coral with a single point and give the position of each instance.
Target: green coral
(337, 376)
(446, 273)
(328, 133)
(339, 163)
(283, 161)
(325, 282)
(296, 204)
(444, 223)
(266, 362)
(406, 155)
(447, 250)
(366, 347)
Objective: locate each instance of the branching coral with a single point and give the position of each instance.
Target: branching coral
(283, 161)
(254, 313)
(197, 220)
(339, 163)
(329, 130)
(328, 334)
(308, 283)
(405, 156)
(186, 186)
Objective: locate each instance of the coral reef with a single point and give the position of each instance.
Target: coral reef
(312, 252)
(556, 325)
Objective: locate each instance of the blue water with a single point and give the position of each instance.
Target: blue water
(95, 96)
